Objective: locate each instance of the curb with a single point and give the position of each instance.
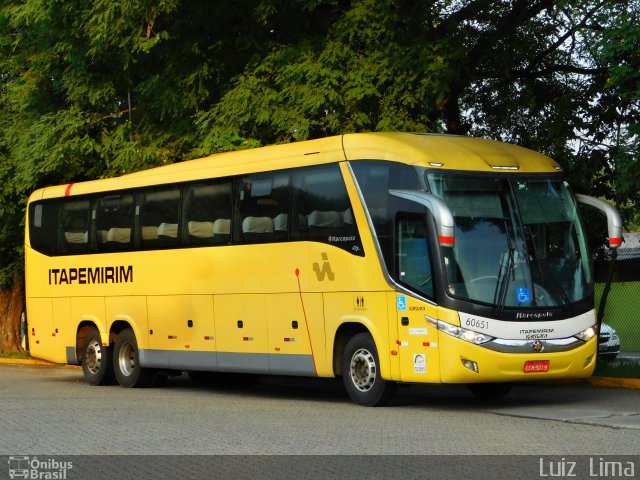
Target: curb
(614, 382)
(31, 361)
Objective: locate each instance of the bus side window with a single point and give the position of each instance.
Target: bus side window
(114, 222)
(159, 215)
(412, 253)
(321, 208)
(43, 226)
(207, 213)
(74, 225)
(375, 178)
(263, 205)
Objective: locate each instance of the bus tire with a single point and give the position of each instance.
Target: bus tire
(97, 363)
(490, 391)
(126, 362)
(361, 373)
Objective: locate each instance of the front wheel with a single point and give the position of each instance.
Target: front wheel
(126, 362)
(97, 365)
(361, 373)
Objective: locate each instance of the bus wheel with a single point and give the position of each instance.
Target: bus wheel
(97, 365)
(126, 362)
(361, 373)
(490, 391)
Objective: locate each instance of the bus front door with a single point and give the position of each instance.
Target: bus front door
(417, 341)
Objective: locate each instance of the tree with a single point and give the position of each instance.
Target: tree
(559, 77)
(98, 88)
(616, 119)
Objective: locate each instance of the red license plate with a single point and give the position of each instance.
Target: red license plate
(536, 366)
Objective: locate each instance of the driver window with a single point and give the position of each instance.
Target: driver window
(412, 254)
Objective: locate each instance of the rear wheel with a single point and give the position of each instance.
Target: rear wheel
(126, 362)
(361, 373)
(97, 365)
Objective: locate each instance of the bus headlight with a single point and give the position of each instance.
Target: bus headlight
(464, 334)
(587, 334)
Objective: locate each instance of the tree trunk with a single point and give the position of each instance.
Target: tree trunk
(11, 309)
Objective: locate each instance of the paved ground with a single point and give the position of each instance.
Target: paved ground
(51, 412)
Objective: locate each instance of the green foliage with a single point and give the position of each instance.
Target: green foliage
(621, 50)
(364, 74)
(94, 88)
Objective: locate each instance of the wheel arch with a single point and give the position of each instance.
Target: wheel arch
(118, 326)
(83, 329)
(344, 333)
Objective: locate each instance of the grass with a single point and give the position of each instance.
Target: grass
(620, 369)
(623, 312)
(4, 354)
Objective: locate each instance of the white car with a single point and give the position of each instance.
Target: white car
(608, 343)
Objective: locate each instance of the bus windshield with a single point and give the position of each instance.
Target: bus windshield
(519, 241)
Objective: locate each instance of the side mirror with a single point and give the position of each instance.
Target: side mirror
(440, 211)
(614, 221)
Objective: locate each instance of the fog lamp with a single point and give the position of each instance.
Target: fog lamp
(470, 364)
(588, 361)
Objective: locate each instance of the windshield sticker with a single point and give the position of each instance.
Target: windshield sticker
(524, 296)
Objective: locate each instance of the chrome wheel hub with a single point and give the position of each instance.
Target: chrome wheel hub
(93, 356)
(127, 359)
(363, 370)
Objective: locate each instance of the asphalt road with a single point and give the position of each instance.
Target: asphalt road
(51, 412)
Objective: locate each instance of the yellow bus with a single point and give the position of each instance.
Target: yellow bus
(377, 257)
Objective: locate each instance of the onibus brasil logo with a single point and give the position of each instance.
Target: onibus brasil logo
(36, 469)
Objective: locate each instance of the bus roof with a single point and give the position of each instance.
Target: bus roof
(449, 152)
(429, 150)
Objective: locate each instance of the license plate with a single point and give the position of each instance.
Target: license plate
(536, 366)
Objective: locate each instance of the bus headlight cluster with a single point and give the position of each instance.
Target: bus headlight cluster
(587, 334)
(464, 334)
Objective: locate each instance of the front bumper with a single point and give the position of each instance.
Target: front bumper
(494, 366)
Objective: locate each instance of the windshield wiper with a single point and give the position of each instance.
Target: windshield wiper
(502, 287)
(543, 263)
